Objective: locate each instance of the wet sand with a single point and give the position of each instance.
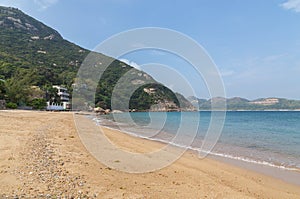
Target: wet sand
(42, 155)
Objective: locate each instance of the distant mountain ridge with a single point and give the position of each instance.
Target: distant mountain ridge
(238, 103)
(31, 49)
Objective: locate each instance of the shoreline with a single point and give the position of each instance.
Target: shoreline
(214, 154)
(31, 139)
(287, 174)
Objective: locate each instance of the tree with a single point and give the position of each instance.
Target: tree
(18, 87)
(38, 103)
(52, 94)
(2, 89)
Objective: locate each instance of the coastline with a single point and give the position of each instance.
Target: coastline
(188, 177)
(223, 151)
(287, 174)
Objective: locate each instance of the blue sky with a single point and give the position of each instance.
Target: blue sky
(254, 43)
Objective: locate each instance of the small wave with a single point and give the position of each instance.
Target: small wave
(244, 159)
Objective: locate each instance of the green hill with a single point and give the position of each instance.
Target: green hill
(33, 54)
(238, 103)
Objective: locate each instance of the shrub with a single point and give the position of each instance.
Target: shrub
(11, 105)
(38, 104)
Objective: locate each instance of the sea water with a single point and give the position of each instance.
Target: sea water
(270, 138)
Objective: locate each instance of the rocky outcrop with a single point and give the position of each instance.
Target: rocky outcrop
(2, 104)
(14, 19)
(164, 106)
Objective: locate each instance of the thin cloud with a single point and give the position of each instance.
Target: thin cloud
(273, 58)
(226, 73)
(291, 5)
(130, 63)
(158, 52)
(138, 45)
(45, 4)
(10, 3)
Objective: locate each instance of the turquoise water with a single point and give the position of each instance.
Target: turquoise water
(264, 137)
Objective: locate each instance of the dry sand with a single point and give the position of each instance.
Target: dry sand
(41, 155)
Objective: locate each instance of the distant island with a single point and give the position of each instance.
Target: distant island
(240, 104)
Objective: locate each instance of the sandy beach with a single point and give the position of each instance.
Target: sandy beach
(41, 155)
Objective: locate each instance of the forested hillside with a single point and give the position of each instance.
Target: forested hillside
(33, 54)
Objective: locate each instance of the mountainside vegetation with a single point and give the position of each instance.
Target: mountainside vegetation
(35, 55)
(238, 103)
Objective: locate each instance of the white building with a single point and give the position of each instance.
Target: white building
(62, 92)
